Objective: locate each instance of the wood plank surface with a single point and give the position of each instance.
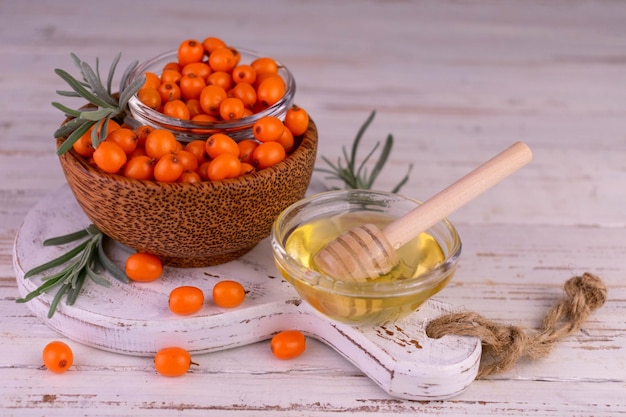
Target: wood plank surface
(454, 82)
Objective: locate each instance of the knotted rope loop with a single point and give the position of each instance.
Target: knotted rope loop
(505, 345)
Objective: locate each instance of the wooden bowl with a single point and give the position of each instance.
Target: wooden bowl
(195, 224)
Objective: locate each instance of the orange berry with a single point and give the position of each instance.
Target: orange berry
(109, 157)
(57, 356)
(223, 166)
(191, 86)
(268, 154)
(264, 65)
(271, 90)
(210, 98)
(186, 300)
(143, 267)
(220, 143)
(228, 294)
(296, 120)
(176, 109)
(168, 168)
(223, 59)
(151, 97)
(231, 108)
(140, 167)
(212, 43)
(124, 137)
(189, 51)
(172, 361)
(160, 142)
(268, 128)
(288, 344)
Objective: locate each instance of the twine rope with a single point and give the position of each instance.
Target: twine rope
(504, 345)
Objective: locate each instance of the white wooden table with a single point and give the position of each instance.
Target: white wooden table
(454, 82)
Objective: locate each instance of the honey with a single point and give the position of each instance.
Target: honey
(373, 303)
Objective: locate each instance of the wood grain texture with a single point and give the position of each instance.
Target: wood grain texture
(454, 82)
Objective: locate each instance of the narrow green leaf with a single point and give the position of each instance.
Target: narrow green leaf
(68, 111)
(55, 301)
(57, 261)
(112, 69)
(74, 291)
(126, 75)
(96, 115)
(110, 266)
(80, 89)
(68, 128)
(67, 93)
(97, 278)
(70, 237)
(96, 85)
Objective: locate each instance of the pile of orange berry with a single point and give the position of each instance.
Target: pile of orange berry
(207, 83)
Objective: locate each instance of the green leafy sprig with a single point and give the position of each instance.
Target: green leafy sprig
(358, 177)
(106, 104)
(86, 260)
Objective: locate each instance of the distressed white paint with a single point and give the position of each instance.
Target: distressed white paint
(454, 82)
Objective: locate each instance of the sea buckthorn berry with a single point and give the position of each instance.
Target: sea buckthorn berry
(150, 97)
(152, 81)
(57, 356)
(288, 344)
(189, 177)
(189, 51)
(124, 137)
(168, 168)
(200, 69)
(221, 78)
(143, 267)
(296, 120)
(140, 167)
(172, 361)
(194, 107)
(244, 74)
(170, 77)
(223, 167)
(246, 168)
(176, 109)
(220, 143)
(223, 59)
(244, 92)
(267, 128)
(246, 148)
(203, 170)
(191, 86)
(231, 108)
(268, 154)
(142, 133)
(171, 66)
(187, 159)
(264, 66)
(160, 142)
(228, 294)
(286, 140)
(271, 90)
(210, 98)
(169, 92)
(109, 157)
(84, 145)
(212, 43)
(186, 300)
(196, 148)
(203, 117)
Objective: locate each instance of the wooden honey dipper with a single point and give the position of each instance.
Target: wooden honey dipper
(367, 252)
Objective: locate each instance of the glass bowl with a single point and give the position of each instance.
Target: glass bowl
(428, 261)
(187, 130)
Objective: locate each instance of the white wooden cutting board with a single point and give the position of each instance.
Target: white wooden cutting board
(134, 318)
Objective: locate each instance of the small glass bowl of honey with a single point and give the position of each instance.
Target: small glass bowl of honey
(427, 263)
